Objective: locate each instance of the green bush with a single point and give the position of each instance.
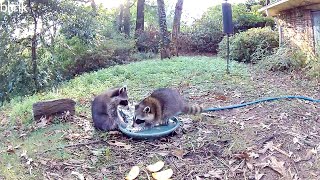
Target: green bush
(314, 68)
(250, 46)
(148, 40)
(284, 58)
(80, 57)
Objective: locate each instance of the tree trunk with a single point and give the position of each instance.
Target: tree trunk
(164, 35)
(126, 19)
(34, 48)
(176, 27)
(120, 19)
(140, 17)
(94, 7)
(53, 108)
(140, 24)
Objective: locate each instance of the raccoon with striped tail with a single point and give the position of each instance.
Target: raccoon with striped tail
(160, 106)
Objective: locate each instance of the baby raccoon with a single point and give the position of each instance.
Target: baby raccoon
(105, 109)
(160, 106)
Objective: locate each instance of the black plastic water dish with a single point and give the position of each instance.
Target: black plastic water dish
(153, 133)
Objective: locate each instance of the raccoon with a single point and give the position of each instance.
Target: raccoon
(160, 106)
(104, 109)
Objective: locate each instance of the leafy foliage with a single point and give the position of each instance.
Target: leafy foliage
(314, 67)
(207, 32)
(284, 58)
(72, 39)
(250, 46)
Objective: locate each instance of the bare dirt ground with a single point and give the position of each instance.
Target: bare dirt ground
(272, 140)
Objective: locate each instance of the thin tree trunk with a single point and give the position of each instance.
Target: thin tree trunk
(120, 19)
(176, 27)
(140, 24)
(34, 48)
(164, 35)
(126, 19)
(94, 7)
(140, 17)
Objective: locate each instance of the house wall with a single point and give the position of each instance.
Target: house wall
(297, 28)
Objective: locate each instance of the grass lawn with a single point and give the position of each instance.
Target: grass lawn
(221, 142)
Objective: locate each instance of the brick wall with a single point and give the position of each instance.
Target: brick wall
(297, 28)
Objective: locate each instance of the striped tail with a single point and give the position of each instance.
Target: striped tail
(195, 109)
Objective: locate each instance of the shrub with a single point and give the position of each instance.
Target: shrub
(148, 40)
(284, 58)
(314, 68)
(250, 46)
(111, 52)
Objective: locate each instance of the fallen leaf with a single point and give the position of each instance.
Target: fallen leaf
(216, 173)
(258, 176)
(80, 176)
(179, 153)
(114, 133)
(242, 125)
(264, 126)
(10, 149)
(250, 166)
(221, 97)
(119, 144)
(133, 173)
(232, 161)
(253, 155)
(295, 140)
(24, 154)
(283, 116)
(17, 147)
(96, 152)
(29, 161)
(162, 175)
(155, 167)
(163, 153)
(267, 146)
(22, 135)
(278, 166)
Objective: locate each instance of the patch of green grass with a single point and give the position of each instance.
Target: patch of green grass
(141, 78)
(37, 142)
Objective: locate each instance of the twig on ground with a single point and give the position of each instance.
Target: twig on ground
(146, 173)
(224, 163)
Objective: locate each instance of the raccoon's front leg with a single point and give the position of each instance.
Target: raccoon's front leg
(120, 120)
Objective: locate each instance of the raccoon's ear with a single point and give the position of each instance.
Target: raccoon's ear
(147, 109)
(123, 89)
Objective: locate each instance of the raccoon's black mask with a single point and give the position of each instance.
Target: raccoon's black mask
(139, 121)
(124, 103)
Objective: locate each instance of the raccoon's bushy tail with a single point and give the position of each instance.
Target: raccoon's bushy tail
(192, 109)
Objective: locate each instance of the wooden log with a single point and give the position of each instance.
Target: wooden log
(53, 108)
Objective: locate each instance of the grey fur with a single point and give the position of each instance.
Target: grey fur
(104, 109)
